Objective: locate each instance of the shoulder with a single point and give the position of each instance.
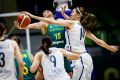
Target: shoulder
(39, 53)
(14, 43)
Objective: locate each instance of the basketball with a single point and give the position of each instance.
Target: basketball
(23, 20)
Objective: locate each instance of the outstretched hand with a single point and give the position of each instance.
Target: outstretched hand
(26, 13)
(118, 51)
(63, 9)
(114, 48)
(17, 25)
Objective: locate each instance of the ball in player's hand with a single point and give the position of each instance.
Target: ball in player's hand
(23, 20)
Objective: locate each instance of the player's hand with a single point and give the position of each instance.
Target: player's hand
(114, 48)
(27, 13)
(63, 9)
(17, 25)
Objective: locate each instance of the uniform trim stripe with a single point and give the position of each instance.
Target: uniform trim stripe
(82, 68)
(92, 75)
(68, 39)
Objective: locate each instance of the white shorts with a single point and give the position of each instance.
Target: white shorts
(83, 67)
(64, 76)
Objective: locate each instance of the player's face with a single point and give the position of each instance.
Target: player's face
(47, 14)
(74, 14)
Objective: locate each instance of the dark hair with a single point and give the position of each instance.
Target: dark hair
(17, 39)
(46, 44)
(88, 20)
(2, 29)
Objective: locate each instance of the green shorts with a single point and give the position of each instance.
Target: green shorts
(67, 65)
(33, 78)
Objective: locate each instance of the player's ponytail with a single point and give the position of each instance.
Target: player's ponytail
(2, 29)
(46, 44)
(87, 20)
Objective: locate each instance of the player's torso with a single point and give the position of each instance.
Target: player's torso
(57, 33)
(53, 64)
(7, 66)
(75, 38)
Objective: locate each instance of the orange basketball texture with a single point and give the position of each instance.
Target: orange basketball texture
(24, 20)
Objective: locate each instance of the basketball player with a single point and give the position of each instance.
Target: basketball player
(88, 21)
(52, 61)
(75, 36)
(9, 49)
(27, 59)
(57, 33)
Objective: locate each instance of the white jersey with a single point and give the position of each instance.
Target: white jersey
(75, 42)
(53, 65)
(7, 65)
(75, 38)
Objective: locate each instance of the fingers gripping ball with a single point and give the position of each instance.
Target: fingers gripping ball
(23, 20)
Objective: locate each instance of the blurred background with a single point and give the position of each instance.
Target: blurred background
(106, 63)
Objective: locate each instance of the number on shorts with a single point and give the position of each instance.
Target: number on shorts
(53, 60)
(2, 59)
(25, 70)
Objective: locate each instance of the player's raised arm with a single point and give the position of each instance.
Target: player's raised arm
(64, 14)
(37, 25)
(65, 23)
(101, 42)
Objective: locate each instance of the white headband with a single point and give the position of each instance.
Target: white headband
(79, 11)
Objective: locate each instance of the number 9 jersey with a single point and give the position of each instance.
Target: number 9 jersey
(53, 65)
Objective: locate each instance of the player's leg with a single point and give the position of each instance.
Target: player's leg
(88, 63)
(78, 70)
(83, 68)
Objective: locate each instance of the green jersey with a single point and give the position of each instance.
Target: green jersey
(27, 63)
(57, 33)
